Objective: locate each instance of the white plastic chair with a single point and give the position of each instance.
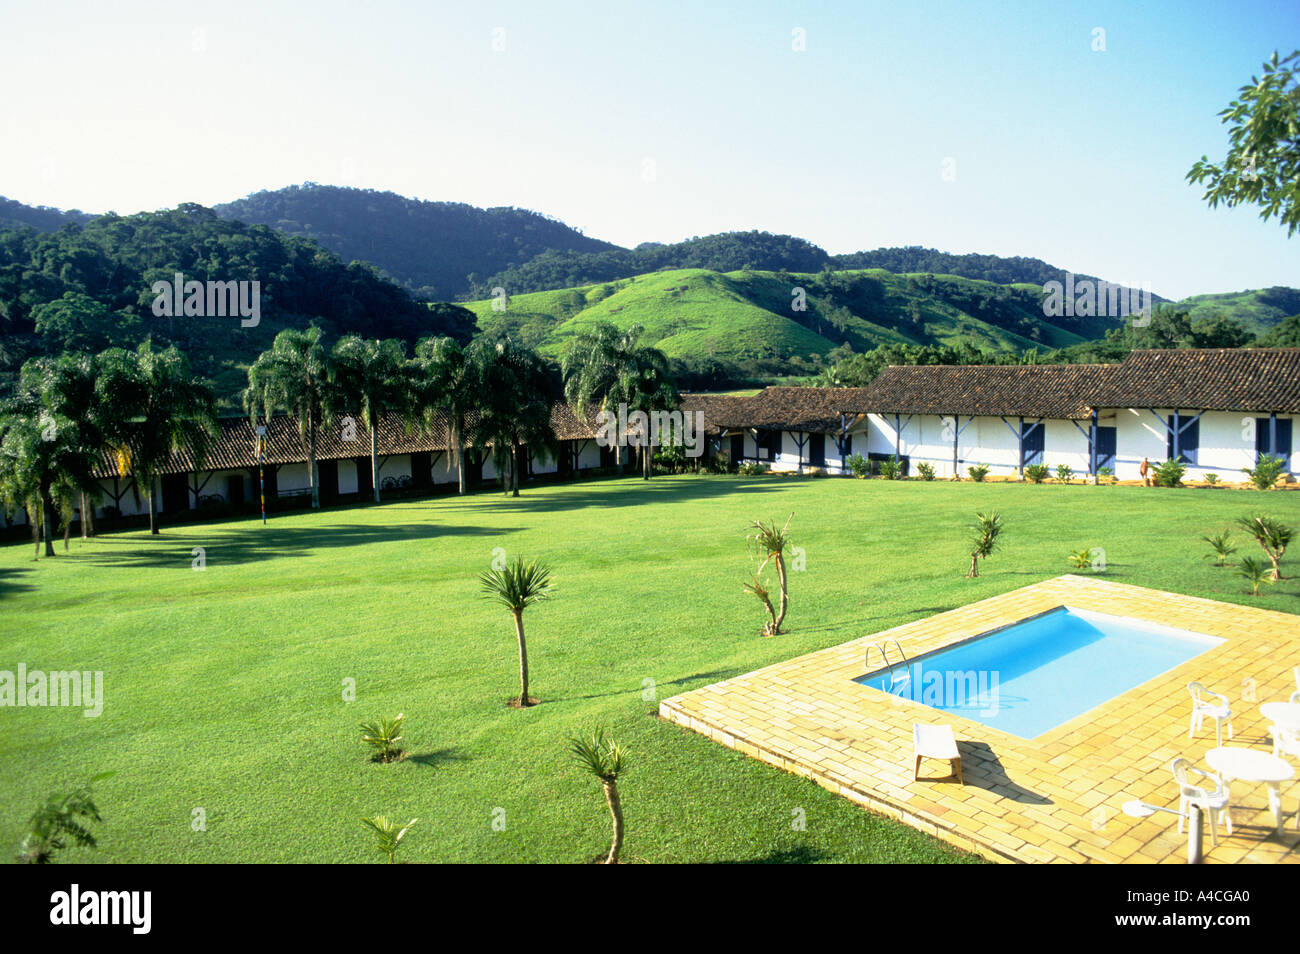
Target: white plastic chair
(1286, 741)
(935, 742)
(1213, 803)
(1215, 707)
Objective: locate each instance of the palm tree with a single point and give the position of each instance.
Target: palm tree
(517, 586)
(66, 386)
(983, 539)
(649, 388)
(293, 375)
(1223, 547)
(1254, 571)
(608, 367)
(369, 375)
(41, 456)
(606, 760)
(50, 447)
(388, 834)
(772, 543)
(152, 407)
(514, 410)
(1272, 536)
(443, 380)
(60, 819)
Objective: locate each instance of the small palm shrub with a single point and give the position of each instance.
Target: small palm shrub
(858, 466)
(1169, 473)
(978, 472)
(752, 468)
(1272, 535)
(1211, 479)
(517, 586)
(1254, 571)
(984, 534)
(1105, 474)
(1081, 559)
(925, 471)
(771, 542)
(1063, 473)
(891, 469)
(61, 819)
(382, 735)
(1036, 473)
(1223, 547)
(1266, 472)
(388, 835)
(606, 760)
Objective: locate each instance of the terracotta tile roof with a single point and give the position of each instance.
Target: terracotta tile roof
(1031, 390)
(786, 408)
(1208, 379)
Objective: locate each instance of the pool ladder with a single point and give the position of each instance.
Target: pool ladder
(884, 656)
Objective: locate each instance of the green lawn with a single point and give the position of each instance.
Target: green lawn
(224, 687)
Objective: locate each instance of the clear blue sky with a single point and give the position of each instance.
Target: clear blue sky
(1059, 152)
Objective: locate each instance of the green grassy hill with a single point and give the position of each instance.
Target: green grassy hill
(1258, 309)
(749, 314)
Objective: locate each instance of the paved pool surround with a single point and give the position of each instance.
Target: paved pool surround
(1054, 798)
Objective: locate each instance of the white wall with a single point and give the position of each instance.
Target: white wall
(1226, 446)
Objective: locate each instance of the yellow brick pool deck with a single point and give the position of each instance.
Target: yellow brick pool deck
(1056, 798)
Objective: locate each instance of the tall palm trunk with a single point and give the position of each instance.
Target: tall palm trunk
(514, 471)
(48, 521)
(524, 699)
(616, 810)
(785, 596)
(153, 507)
(311, 462)
(34, 518)
(460, 456)
(84, 518)
(374, 462)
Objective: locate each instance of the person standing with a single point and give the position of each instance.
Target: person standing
(1144, 469)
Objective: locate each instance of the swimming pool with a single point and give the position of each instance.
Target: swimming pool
(1032, 676)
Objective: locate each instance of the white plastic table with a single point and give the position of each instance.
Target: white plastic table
(1285, 714)
(1251, 765)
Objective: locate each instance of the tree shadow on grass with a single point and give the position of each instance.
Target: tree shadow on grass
(174, 548)
(10, 582)
(799, 855)
(438, 757)
(637, 492)
(716, 675)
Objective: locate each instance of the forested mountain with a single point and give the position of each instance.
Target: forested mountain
(990, 268)
(91, 287)
(16, 215)
(435, 249)
(730, 251)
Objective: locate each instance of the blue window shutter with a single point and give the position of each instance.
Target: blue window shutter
(1190, 442)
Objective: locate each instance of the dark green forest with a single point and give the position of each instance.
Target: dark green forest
(435, 249)
(86, 288)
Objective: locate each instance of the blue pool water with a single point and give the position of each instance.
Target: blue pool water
(1033, 676)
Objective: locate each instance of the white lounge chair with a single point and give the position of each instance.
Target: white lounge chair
(1213, 802)
(1215, 707)
(935, 742)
